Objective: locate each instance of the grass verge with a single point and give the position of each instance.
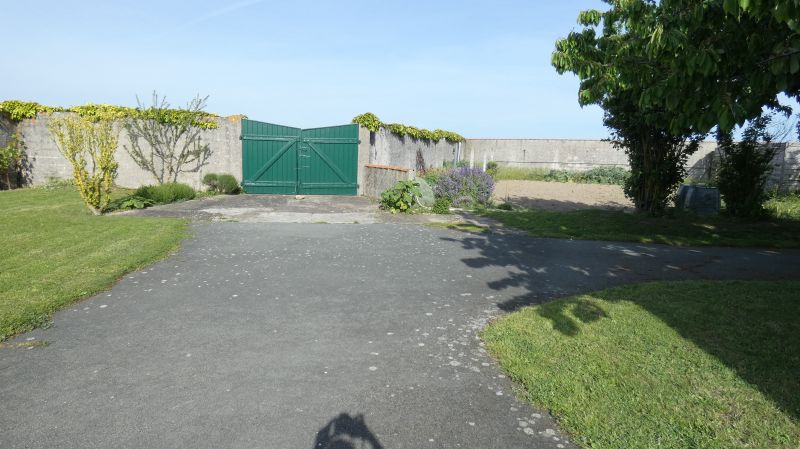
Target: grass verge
(677, 230)
(56, 252)
(667, 365)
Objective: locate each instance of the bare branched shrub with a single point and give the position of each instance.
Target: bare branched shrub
(166, 142)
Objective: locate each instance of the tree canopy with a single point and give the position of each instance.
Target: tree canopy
(691, 65)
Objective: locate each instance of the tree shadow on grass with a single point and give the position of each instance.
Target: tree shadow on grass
(559, 314)
(346, 432)
(748, 328)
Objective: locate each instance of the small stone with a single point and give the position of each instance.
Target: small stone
(373, 368)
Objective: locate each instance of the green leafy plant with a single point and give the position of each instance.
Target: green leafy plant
(373, 124)
(400, 197)
(368, 120)
(166, 193)
(431, 176)
(604, 175)
(12, 157)
(491, 168)
(131, 202)
(441, 206)
(745, 167)
(18, 110)
(90, 148)
(785, 207)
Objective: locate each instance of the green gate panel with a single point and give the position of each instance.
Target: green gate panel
(284, 160)
(328, 159)
(269, 158)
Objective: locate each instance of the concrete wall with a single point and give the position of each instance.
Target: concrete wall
(785, 174)
(387, 148)
(47, 162)
(555, 154)
(378, 178)
(588, 154)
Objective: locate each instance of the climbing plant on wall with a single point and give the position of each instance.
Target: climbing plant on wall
(373, 123)
(19, 110)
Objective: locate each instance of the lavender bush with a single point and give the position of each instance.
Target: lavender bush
(465, 187)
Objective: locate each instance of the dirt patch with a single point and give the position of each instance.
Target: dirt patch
(561, 196)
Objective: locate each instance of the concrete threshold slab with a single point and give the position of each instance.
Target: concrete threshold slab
(260, 216)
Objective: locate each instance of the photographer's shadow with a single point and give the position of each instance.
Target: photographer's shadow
(346, 432)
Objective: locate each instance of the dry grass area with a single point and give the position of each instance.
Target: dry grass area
(561, 196)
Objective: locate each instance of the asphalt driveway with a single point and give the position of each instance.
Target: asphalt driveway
(317, 335)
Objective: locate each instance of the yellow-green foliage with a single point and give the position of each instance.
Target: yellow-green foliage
(11, 157)
(89, 146)
(373, 123)
(19, 110)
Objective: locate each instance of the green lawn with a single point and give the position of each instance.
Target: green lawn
(55, 252)
(663, 365)
(679, 230)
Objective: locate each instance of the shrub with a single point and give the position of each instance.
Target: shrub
(559, 176)
(166, 193)
(744, 168)
(491, 168)
(12, 158)
(465, 187)
(174, 138)
(210, 181)
(605, 175)
(441, 206)
(432, 175)
(227, 184)
(400, 197)
(89, 147)
(505, 206)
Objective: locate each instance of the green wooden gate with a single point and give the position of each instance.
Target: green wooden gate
(284, 160)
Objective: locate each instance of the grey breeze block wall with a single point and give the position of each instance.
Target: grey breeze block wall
(386, 148)
(378, 178)
(47, 162)
(588, 154)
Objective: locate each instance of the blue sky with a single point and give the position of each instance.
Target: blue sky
(480, 68)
